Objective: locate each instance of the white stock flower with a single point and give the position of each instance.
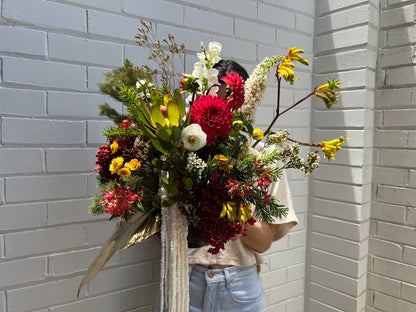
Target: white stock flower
(193, 138)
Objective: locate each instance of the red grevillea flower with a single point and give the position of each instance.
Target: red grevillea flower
(207, 202)
(236, 84)
(125, 124)
(213, 115)
(119, 201)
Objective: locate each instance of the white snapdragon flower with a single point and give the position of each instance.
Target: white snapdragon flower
(193, 138)
(205, 77)
(199, 72)
(214, 49)
(212, 78)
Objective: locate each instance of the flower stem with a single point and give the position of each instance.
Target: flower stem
(278, 114)
(303, 143)
(300, 101)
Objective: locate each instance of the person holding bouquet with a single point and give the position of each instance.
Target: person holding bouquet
(230, 281)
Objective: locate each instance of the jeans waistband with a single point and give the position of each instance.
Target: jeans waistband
(221, 275)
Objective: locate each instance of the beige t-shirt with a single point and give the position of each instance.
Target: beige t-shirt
(236, 253)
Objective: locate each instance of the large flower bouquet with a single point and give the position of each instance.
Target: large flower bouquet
(201, 155)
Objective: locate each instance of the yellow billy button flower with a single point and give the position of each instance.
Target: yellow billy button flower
(133, 164)
(114, 147)
(330, 147)
(116, 164)
(223, 162)
(227, 210)
(124, 172)
(257, 134)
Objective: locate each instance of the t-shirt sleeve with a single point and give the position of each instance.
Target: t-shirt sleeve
(281, 191)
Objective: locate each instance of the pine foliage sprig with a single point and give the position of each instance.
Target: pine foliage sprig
(125, 76)
(111, 113)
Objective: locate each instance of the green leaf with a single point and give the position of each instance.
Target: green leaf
(188, 182)
(176, 132)
(181, 104)
(155, 98)
(144, 115)
(173, 114)
(172, 189)
(164, 134)
(167, 98)
(169, 202)
(155, 142)
(157, 163)
(157, 117)
(164, 179)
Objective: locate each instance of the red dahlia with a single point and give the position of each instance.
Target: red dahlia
(213, 115)
(236, 84)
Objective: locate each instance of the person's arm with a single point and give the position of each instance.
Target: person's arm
(260, 236)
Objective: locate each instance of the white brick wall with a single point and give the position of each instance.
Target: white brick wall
(338, 225)
(52, 55)
(392, 266)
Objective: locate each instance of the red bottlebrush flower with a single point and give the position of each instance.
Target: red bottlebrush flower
(104, 157)
(236, 84)
(213, 115)
(119, 201)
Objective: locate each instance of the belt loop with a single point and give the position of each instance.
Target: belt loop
(227, 277)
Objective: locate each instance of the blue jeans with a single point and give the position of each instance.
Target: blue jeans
(233, 289)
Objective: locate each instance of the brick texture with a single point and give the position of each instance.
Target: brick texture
(53, 53)
(339, 213)
(359, 217)
(393, 243)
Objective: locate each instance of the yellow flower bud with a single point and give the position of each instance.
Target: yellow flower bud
(257, 134)
(238, 125)
(114, 147)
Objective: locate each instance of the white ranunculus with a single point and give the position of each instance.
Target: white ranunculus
(193, 138)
